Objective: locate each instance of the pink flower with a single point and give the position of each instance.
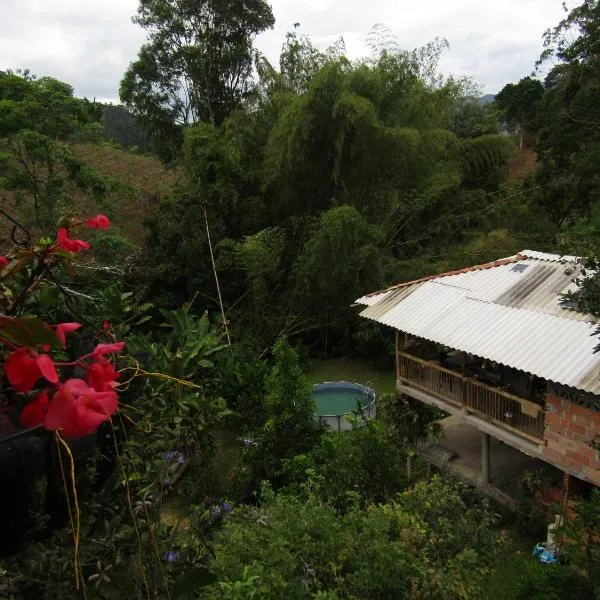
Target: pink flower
(99, 222)
(101, 376)
(68, 244)
(63, 328)
(77, 410)
(24, 367)
(104, 349)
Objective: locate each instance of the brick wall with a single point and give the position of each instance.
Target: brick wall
(572, 437)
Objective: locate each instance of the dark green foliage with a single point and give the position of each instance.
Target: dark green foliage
(568, 115)
(483, 160)
(583, 548)
(359, 466)
(44, 105)
(195, 67)
(37, 119)
(473, 119)
(119, 126)
(522, 577)
(321, 187)
(426, 544)
(290, 427)
(407, 421)
(519, 104)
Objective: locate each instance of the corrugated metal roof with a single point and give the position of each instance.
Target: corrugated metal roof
(508, 312)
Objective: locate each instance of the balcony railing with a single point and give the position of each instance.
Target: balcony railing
(502, 408)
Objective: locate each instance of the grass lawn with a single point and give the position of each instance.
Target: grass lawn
(353, 370)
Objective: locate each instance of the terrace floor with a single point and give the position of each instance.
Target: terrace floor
(459, 452)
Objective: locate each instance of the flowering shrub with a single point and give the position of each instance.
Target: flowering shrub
(34, 351)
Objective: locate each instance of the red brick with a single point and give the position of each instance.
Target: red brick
(576, 428)
(558, 447)
(588, 451)
(582, 420)
(551, 435)
(580, 411)
(592, 475)
(553, 420)
(581, 459)
(554, 458)
(564, 423)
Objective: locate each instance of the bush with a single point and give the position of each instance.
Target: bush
(522, 577)
(360, 464)
(429, 543)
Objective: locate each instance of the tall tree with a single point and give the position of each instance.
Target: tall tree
(196, 65)
(568, 141)
(519, 102)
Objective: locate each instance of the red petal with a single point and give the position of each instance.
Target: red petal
(102, 349)
(77, 387)
(99, 222)
(35, 412)
(82, 422)
(63, 328)
(60, 409)
(22, 370)
(105, 403)
(47, 368)
(3, 261)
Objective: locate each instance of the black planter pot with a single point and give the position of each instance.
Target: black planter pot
(33, 499)
(23, 481)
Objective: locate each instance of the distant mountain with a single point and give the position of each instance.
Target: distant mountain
(486, 99)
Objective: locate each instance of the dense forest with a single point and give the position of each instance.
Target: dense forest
(169, 268)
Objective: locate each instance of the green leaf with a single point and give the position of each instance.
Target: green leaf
(27, 331)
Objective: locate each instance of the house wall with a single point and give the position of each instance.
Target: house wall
(572, 437)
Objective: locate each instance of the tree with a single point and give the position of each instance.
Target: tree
(196, 65)
(471, 119)
(568, 139)
(519, 102)
(38, 117)
(290, 427)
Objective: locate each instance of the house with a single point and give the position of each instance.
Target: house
(495, 346)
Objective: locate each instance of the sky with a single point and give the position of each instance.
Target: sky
(90, 43)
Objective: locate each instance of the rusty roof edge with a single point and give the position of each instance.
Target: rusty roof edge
(489, 265)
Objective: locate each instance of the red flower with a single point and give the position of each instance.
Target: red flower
(35, 412)
(24, 367)
(78, 410)
(3, 261)
(68, 244)
(103, 349)
(101, 376)
(63, 329)
(99, 222)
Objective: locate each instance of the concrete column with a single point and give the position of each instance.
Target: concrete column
(485, 459)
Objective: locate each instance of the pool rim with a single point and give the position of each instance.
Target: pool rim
(370, 392)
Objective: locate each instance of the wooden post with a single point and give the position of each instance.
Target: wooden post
(485, 459)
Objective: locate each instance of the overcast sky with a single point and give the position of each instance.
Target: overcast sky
(89, 43)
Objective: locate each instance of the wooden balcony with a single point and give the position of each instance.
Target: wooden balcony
(505, 410)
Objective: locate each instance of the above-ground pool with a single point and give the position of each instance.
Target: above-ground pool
(334, 400)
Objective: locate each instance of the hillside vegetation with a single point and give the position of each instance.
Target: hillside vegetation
(158, 314)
